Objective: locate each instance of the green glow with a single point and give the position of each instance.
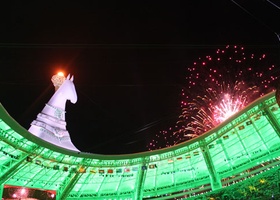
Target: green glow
(239, 148)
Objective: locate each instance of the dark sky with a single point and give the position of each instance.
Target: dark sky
(128, 59)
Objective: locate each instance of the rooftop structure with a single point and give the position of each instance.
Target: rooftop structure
(50, 124)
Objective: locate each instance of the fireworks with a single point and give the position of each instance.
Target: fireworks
(217, 87)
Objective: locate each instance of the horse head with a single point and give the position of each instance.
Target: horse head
(67, 89)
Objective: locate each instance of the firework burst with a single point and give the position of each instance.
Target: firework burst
(217, 87)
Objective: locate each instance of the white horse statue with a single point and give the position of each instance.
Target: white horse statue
(50, 124)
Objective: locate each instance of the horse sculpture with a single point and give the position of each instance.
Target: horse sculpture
(50, 124)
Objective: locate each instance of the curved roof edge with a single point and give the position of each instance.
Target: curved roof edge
(9, 120)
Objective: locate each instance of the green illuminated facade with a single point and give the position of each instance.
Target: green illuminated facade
(245, 148)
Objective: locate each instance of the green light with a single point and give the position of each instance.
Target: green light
(236, 151)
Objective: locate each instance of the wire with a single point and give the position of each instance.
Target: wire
(257, 19)
(273, 4)
(111, 46)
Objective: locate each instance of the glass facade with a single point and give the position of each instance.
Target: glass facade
(241, 148)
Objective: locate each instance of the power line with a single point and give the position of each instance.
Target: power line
(257, 19)
(273, 4)
(117, 45)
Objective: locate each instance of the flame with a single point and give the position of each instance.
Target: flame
(60, 73)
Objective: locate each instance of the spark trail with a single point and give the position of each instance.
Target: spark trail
(217, 87)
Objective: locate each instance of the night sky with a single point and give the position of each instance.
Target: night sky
(129, 60)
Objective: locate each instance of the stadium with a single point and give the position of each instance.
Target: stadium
(239, 159)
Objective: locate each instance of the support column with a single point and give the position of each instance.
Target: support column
(14, 169)
(138, 194)
(1, 190)
(67, 189)
(275, 125)
(215, 180)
